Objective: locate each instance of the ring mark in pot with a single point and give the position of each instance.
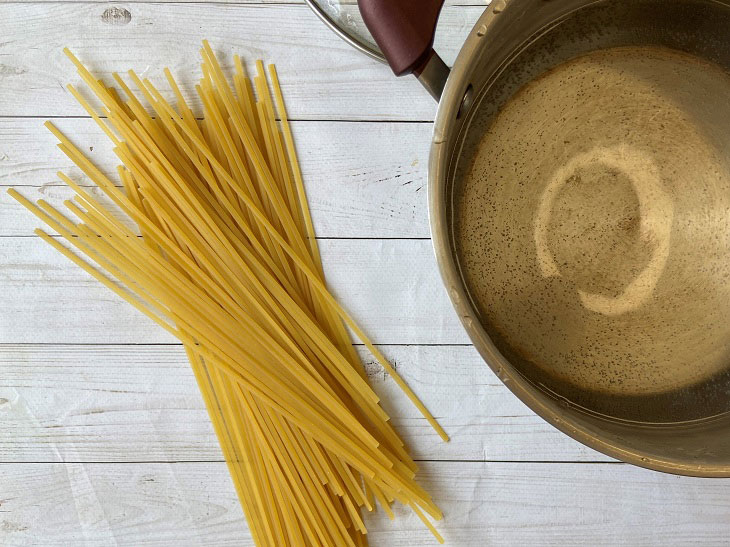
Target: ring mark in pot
(656, 213)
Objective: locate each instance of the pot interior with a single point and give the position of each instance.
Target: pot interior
(589, 214)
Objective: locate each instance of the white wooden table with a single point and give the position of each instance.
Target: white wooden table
(104, 439)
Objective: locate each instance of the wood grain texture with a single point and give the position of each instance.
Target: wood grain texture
(322, 77)
(135, 410)
(362, 179)
(68, 403)
(484, 504)
(392, 287)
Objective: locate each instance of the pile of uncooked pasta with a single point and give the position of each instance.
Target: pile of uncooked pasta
(224, 257)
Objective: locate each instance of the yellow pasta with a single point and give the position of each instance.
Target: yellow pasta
(228, 263)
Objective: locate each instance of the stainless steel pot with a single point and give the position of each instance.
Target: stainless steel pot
(579, 197)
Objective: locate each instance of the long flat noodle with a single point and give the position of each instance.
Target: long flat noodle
(228, 263)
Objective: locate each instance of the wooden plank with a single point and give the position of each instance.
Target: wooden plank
(392, 287)
(132, 504)
(483, 503)
(322, 76)
(363, 179)
(68, 403)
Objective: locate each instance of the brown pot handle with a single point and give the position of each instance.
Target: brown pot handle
(403, 30)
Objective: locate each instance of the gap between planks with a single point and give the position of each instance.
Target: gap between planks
(176, 345)
(423, 121)
(184, 462)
